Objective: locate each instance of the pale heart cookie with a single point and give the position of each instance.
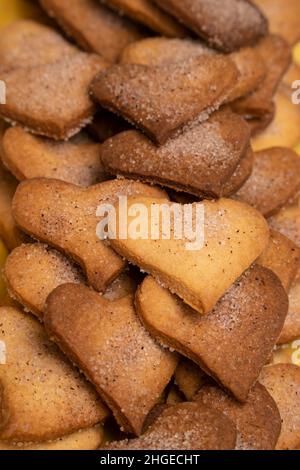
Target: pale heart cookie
(234, 341)
(65, 217)
(284, 131)
(235, 235)
(88, 439)
(59, 104)
(108, 342)
(225, 24)
(287, 222)
(276, 54)
(76, 161)
(283, 17)
(282, 257)
(42, 396)
(200, 161)
(187, 426)
(291, 329)
(148, 14)
(8, 230)
(258, 420)
(275, 180)
(161, 101)
(189, 378)
(283, 383)
(162, 51)
(94, 27)
(25, 43)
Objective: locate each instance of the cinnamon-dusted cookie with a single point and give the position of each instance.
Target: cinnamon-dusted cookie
(283, 383)
(258, 420)
(291, 329)
(148, 14)
(42, 396)
(200, 161)
(8, 230)
(76, 161)
(108, 342)
(52, 99)
(187, 426)
(287, 222)
(26, 43)
(241, 174)
(235, 235)
(276, 54)
(162, 51)
(275, 180)
(235, 340)
(162, 100)
(88, 439)
(64, 216)
(283, 17)
(225, 24)
(282, 256)
(94, 27)
(189, 378)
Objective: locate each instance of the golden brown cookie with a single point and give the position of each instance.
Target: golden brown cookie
(283, 17)
(235, 235)
(234, 341)
(42, 396)
(52, 99)
(64, 216)
(275, 180)
(189, 378)
(291, 329)
(258, 420)
(213, 150)
(162, 100)
(287, 222)
(276, 55)
(94, 27)
(282, 256)
(8, 230)
(26, 43)
(225, 24)
(88, 439)
(283, 383)
(187, 426)
(28, 156)
(148, 14)
(107, 341)
(174, 396)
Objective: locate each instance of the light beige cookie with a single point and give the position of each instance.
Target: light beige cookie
(258, 420)
(108, 342)
(282, 257)
(64, 216)
(187, 426)
(76, 161)
(42, 396)
(88, 439)
(234, 341)
(148, 14)
(283, 383)
(94, 27)
(161, 101)
(235, 235)
(213, 150)
(275, 180)
(189, 378)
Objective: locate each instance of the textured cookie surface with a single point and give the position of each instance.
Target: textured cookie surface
(291, 329)
(189, 378)
(234, 341)
(108, 342)
(42, 396)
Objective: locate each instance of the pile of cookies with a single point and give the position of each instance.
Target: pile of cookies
(139, 343)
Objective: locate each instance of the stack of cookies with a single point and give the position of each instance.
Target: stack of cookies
(130, 343)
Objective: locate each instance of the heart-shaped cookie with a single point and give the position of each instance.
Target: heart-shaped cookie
(64, 216)
(108, 342)
(200, 161)
(187, 426)
(287, 222)
(161, 101)
(234, 235)
(235, 340)
(42, 396)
